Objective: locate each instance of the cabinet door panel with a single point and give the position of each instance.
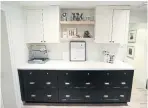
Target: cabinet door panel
(51, 24)
(34, 26)
(120, 26)
(103, 25)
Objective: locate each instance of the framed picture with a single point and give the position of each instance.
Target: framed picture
(131, 52)
(132, 36)
(71, 32)
(77, 51)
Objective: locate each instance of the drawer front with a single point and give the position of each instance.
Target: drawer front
(71, 95)
(117, 74)
(78, 79)
(115, 84)
(42, 96)
(35, 79)
(114, 96)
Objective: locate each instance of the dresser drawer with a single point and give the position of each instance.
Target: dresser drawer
(70, 95)
(78, 79)
(39, 78)
(114, 96)
(116, 74)
(46, 95)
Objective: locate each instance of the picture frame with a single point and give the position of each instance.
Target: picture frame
(77, 50)
(132, 36)
(71, 32)
(130, 51)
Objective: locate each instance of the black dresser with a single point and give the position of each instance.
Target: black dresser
(76, 86)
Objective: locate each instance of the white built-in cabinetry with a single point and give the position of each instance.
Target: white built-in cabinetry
(111, 25)
(34, 26)
(42, 25)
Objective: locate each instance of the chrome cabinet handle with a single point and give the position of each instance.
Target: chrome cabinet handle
(31, 83)
(67, 96)
(105, 96)
(106, 83)
(67, 83)
(33, 95)
(123, 83)
(30, 73)
(49, 95)
(122, 96)
(87, 83)
(66, 73)
(48, 83)
(87, 96)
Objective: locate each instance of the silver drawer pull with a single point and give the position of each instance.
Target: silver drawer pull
(49, 95)
(47, 73)
(121, 95)
(105, 96)
(88, 83)
(87, 96)
(33, 95)
(107, 73)
(123, 83)
(66, 73)
(67, 83)
(48, 83)
(106, 83)
(67, 96)
(30, 73)
(31, 83)
(88, 73)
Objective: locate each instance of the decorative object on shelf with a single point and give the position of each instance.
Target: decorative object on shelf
(132, 36)
(64, 34)
(87, 34)
(64, 16)
(130, 51)
(77, 51)
(71, 32)
(77, 16)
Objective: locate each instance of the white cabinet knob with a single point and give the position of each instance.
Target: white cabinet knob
(67, 96)
(31, 83)
(87, 96)
(67, 83)
(87, 83)
(106, 83)
(49, 95)
(122, 96)
(123, 83)
(105, 96)
(33, 95)
(48, 83)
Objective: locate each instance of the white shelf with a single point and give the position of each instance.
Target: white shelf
(78, 22)
(76, 39)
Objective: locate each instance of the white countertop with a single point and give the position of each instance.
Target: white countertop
(67, 65)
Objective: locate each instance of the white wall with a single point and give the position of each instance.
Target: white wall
(140, 54)
(18, 50)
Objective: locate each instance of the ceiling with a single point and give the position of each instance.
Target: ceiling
(135, 5)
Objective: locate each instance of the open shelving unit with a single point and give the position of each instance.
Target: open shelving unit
(81, 26)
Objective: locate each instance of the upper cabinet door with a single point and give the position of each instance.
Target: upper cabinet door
(34, 26)
(120, 26)
(51, 20)
(103, 24)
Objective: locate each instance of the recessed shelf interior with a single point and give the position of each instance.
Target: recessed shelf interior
(81, 26)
